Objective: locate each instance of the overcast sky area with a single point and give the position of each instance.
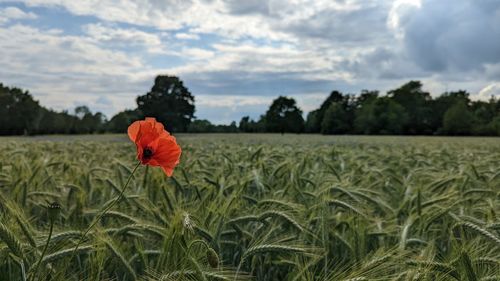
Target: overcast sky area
(236, 56)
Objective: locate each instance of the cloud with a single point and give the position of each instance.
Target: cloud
(142, 12)
(236, 56)
(451, 35)
(187, 36)
(125, 37)
(205, 16)
(224, 109)
(492, 90)
(342, 27)
(197, 53)
(13, 13)
(61, 70)
(248, 7)
(103, 100)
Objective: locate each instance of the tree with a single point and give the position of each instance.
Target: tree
(484, 114)
(170, 102)
(380, 116)
(120, 122)
(494, 126)
(18, 111)
(244, 125)
(87, 122)
(441, 104)
(335, 120)
(201, 126)
(365, 97)
(416, 104)
(313, 123)
(314, 118)
(284, 116)
(458, 120)
(81, 111)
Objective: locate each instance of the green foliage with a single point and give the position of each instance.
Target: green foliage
(170, 102)
(284, 116)
(316, 117)
(18, 111)
(335, 120)
(21, 114)
(254, 208)
(416, 104)
(407, 110)
(248, 125)
(458, 120)
(313, 122)
(204, 126)
(120, 122)
(380, 116)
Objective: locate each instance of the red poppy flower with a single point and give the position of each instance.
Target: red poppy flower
(155, 146)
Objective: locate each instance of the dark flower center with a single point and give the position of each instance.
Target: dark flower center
(148, 153)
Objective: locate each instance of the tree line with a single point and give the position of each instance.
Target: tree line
(407, 110)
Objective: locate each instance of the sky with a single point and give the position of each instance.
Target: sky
(236, 56)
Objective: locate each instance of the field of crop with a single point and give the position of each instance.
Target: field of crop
(253, 207)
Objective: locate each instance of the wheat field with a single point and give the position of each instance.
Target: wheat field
(253, 207)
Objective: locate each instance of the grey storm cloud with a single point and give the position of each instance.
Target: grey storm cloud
(260, 84)
(343, 27)
(453, 35)
(238, 7)
(339, 26)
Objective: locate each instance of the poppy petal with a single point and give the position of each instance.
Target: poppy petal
(156, 126)
(151, 136)
(169, 171)
(133, 130)
(168, 152)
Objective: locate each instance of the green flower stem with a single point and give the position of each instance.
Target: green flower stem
(44, 251)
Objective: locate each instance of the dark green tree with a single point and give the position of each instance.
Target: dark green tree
(380, 116)
(335, 120)
(313, 123)
(494, 126)
(170, 102)
(284, 116)
(484, 113)
(441, 104)
(52, 122)
(416, 104)
(120, 122)
(365, 97)
(244, 125)
(201, 126)
(87, 122)
(18, 112)
(314, 118)
(458, 120)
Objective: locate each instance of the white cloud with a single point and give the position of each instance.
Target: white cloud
(252, 58)
(399, 13)
(187, 36)
(197, 54)
(231, 101)
(252, 50)
(60, 70)
(130, 36)
(126, 37)
(13, 13)
(492, 90)
(204, 16)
